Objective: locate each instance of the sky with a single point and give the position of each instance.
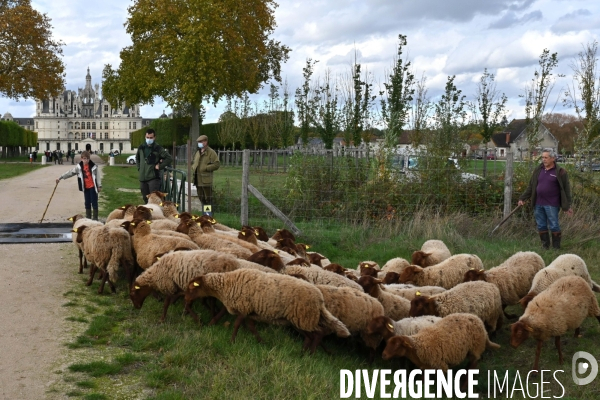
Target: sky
(445, 37)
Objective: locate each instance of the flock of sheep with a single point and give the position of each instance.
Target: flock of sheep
(436, 310)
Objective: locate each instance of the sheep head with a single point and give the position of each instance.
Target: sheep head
(397, 346)
(261, 234)
(335, 268)
(184, 216)
(474, 275)
(195, 289)
(410, 273)
(527, 299)
(283, 233)
(350, 276)
(285, 242)
(315, 258)
(299, 261)
(267, 258)
(142, 212)
(127, 226)
(206, 226)
(418, 258)
(391, 277)
(140, 227)
(74, 218)
(422, 305)
(138, 294)
(156, 196)
(370, 285)
(248, 235)
(184, 226)
(79, 232)
(382, 326)
(368, 269)
(519, 332)
(169, 206)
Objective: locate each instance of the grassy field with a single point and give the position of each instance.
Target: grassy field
(123, 353)
(12, 169)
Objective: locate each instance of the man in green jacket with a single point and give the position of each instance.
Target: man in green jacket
(549, 191)
(204, 164)
(150, 159)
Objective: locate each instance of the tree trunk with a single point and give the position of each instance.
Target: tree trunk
(195, 128)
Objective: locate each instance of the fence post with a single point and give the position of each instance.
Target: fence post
(245, 182)
(189, 175)
(508, 180)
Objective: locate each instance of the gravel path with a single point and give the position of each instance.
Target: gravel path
(33, 278)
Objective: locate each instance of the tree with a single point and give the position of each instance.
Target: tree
(536, 97)
(302, 99)
(489, 110)
(420, 109)
(195, 51)
(30, 63)
(448, 120)
(324, 109)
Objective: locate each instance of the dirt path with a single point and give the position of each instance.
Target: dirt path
(33, 278)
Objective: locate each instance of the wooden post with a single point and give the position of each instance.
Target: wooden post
(190, 178)
(245, 182)
(508, 179)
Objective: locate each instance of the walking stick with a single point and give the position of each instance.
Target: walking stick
(505, 219)
(49, 202)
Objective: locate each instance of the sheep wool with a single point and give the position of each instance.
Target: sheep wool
(268, 297)
(395, 307)
(444, 344)
(78, 221)
(410, 293)
(395, 265)
(319, 276)
(385, 327)
(210, 242)
(446, 274)
(478, 298)
(432, 252)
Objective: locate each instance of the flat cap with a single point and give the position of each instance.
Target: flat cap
(202, 137)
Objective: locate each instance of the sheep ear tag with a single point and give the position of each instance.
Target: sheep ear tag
(528, 328)
(418, 293)
(176, 216)
(196, 284)
(276, 251)
(70, 219)
(161, 204)
(136, 287)
(390, 327)
(148, 221)
(74, 230)
(307, 246)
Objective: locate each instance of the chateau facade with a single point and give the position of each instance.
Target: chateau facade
(73, 120)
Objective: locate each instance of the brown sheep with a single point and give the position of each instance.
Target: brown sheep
(268, 258)
(336, 268)
(212, 242)
(446, 274)
(394, 306)
(283, 233)
(432, 252)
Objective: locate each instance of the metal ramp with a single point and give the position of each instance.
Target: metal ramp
(50, 232)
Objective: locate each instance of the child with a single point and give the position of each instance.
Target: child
(89, 183)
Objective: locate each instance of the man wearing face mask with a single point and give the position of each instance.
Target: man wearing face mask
(150, 159)
(205, 162)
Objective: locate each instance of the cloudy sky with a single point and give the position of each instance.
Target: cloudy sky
(445, 37)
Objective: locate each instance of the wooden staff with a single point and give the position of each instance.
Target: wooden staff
(49, 202)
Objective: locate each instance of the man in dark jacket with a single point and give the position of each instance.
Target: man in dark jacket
(549, 191)
(204, 163)
(150, 159)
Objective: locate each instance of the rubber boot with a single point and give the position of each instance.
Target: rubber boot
(556, 236)
(95, 214)
(545, 236)
(88, 213)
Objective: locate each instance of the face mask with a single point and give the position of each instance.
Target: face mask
(149, 141)
(200, 145)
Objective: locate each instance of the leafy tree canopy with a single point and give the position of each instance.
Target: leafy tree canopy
(30, 64)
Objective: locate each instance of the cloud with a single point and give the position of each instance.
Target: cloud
(510, 19)
(576, 21)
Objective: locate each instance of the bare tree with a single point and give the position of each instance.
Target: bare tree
(419, 113)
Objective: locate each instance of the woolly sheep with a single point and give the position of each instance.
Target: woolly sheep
(444, 344)
(319, 276)
(268, 297)
(169, 209)
(410, 292)
(106, 248)
(210, 242)
(156, 197)
(561, 307)
(148, 245)
(396, 265)
(165, 224)
(118, 213)
(446, 274)
(563, 265)
(155, 209)
(208, 228)
(173, 271)
(385, 327)
(267, 258)
(394, 306)
(478, 298)
(513, 277)
(78, 220)
(432, 252)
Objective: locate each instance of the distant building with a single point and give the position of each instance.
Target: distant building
(74, 119)
(514, 138)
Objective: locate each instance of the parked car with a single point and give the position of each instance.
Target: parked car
(131, 160)
(491, 156)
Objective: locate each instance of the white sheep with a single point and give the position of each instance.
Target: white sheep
(561, 307)
(78, 220)
(432, 252)
(385, 327)
(319, 276)
(446, 274)
(410, 292)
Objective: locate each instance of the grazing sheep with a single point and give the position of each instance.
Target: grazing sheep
(478, 298)
(148, 245)
(370, 268)
(267, 258)
(268, 298)
(210, 242)
(394, 306)
(561, 307)
(336, 268)
(444, 344)
(78, 220)
(318, 259)
(355, 309)
(563, 265)
(261, 234)
(173, 271)
(319, 276)
(282, 234)
(446, 274)
(106, 248)
(432, 252)
(396, 265)
(208, 228)
(513, 277)
(385, 327)
(410, 293)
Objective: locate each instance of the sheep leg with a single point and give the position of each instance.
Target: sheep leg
(307, 340)
(80, 261)
(316, 342)
(578, 333)
(252, 328)
(557, 344)
(188, 308)
(538, 351)
(92, 275)
(218, 316)
(236, 326)
(166, 304)
(104, 279)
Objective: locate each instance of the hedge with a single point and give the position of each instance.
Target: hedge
(11, 134)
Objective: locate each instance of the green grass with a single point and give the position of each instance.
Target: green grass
(126, 350)
(10, 170)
